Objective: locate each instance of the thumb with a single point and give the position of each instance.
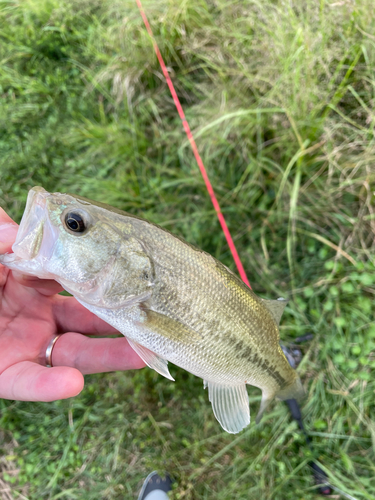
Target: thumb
(8, 232)
(27, 381)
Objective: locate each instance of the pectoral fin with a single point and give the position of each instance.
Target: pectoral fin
(168, 328)
(151, 359)
(230, 405)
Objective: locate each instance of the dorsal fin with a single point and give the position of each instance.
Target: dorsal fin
(276, 308)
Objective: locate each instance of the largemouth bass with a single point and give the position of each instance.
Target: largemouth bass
(172, 301)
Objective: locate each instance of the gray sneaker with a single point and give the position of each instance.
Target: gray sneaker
(155, 487)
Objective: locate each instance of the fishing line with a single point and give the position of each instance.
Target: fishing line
(319, 475)
(199, 160)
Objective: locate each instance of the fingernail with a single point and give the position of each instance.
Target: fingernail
(8, 233)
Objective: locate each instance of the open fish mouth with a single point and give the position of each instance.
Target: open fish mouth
(30, 233)
(35, 238)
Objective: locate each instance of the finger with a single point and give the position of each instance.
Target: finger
(4, 217)
(90, 355)
(70, 315)
(45, 287)
(27, 381)
(8, 232)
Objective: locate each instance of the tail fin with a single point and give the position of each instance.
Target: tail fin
(293, 391)
(266, 400)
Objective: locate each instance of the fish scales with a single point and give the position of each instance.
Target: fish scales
(237, 304)
(171, 300)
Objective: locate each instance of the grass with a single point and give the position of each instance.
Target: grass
(280, 96)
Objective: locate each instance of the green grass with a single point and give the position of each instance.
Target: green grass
(280, 96)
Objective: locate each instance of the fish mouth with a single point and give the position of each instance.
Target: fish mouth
(30, 233)
(35, 239)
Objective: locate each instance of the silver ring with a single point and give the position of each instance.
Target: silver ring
(49, 350)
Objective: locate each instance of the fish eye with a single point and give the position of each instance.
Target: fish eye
(74, 222)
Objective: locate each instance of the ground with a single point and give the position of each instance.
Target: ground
(280, 97)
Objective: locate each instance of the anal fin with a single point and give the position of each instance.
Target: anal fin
(230, 405)
(151, 359)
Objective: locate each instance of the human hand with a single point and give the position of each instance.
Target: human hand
(31, 315)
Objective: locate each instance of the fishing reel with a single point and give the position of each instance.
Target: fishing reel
(294, 356)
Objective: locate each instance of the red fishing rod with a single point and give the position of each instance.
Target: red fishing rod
(189, 134)
(320, 476)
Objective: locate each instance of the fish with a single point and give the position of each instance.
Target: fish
(172, 301)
